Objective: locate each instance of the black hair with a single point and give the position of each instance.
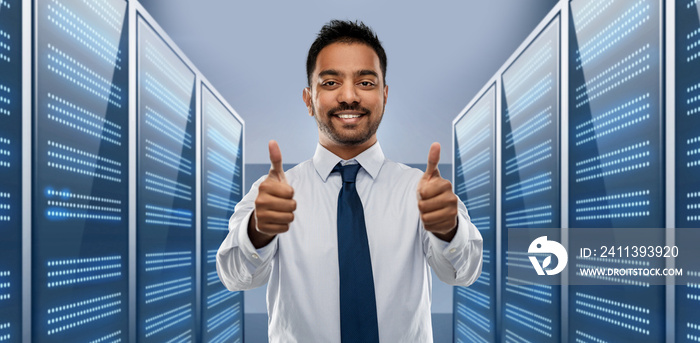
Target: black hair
(345, 31)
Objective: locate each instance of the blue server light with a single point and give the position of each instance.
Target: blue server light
(10, 170)
(222, 189)
(616, 159)
(165, 191)
(688, 163)
(530, 181)
(475, 184)
(80, 178)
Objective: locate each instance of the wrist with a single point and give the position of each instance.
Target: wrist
(447, 236)
(257, 238)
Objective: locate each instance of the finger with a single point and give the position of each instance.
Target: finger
(442, 227)
(276, 169)
(275, 217)
(433, 159)
(272, 229)
(276, 189)
(434, 187)
(275, 204)
(437, 217)
(436, 203)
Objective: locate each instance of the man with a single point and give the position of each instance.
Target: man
(344, 240)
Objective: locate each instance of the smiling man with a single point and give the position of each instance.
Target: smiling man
(345, 240)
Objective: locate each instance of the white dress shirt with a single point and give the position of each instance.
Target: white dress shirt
(301, 265)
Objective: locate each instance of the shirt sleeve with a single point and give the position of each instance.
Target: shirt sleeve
(458, 262)
(240, 266)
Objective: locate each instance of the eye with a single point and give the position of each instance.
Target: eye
(366, 84)
(329, 83)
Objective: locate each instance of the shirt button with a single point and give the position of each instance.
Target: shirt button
(255, 256)
(453, 250)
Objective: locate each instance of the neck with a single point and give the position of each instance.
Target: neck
(347, 152)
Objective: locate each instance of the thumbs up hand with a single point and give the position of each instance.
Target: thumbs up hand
(274, 205)
(437, 202)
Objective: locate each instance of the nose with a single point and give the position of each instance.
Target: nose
(348, 94)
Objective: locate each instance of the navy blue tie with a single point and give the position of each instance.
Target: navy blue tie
(358, 306)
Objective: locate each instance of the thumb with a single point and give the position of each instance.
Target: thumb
(276, 170)
(433, 159)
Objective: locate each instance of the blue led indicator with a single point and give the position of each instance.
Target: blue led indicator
(82, 120)
(167, 319)
(166, 97)
(6, 295)
(113, 337)
(157, 122)
(77, 314)
(169, 260)
(168, 289)
(86, 270)
(165, 186)
(530, 320)
(227, 316)
(84, 33)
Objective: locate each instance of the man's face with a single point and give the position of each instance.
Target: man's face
(347, 95)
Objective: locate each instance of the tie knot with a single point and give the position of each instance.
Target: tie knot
(347, 172)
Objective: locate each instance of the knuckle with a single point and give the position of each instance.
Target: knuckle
(445, 185)
(420, 187)
(269, 229)
(264, 217)
(286, 191)
(424, 192)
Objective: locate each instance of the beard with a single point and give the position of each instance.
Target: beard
(327, 126)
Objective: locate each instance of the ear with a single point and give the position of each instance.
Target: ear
(306, 96)
(386, 93)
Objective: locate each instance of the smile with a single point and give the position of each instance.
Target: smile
(348, 116)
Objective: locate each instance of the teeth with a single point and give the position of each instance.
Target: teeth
(348, 116)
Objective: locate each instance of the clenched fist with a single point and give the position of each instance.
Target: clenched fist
(274, 205)
(437, 202)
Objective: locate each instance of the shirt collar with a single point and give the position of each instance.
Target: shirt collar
(371, 160)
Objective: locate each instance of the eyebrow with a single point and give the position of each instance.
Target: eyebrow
(366, 72)
(333, 72)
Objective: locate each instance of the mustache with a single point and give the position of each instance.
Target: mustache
(348, 107)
